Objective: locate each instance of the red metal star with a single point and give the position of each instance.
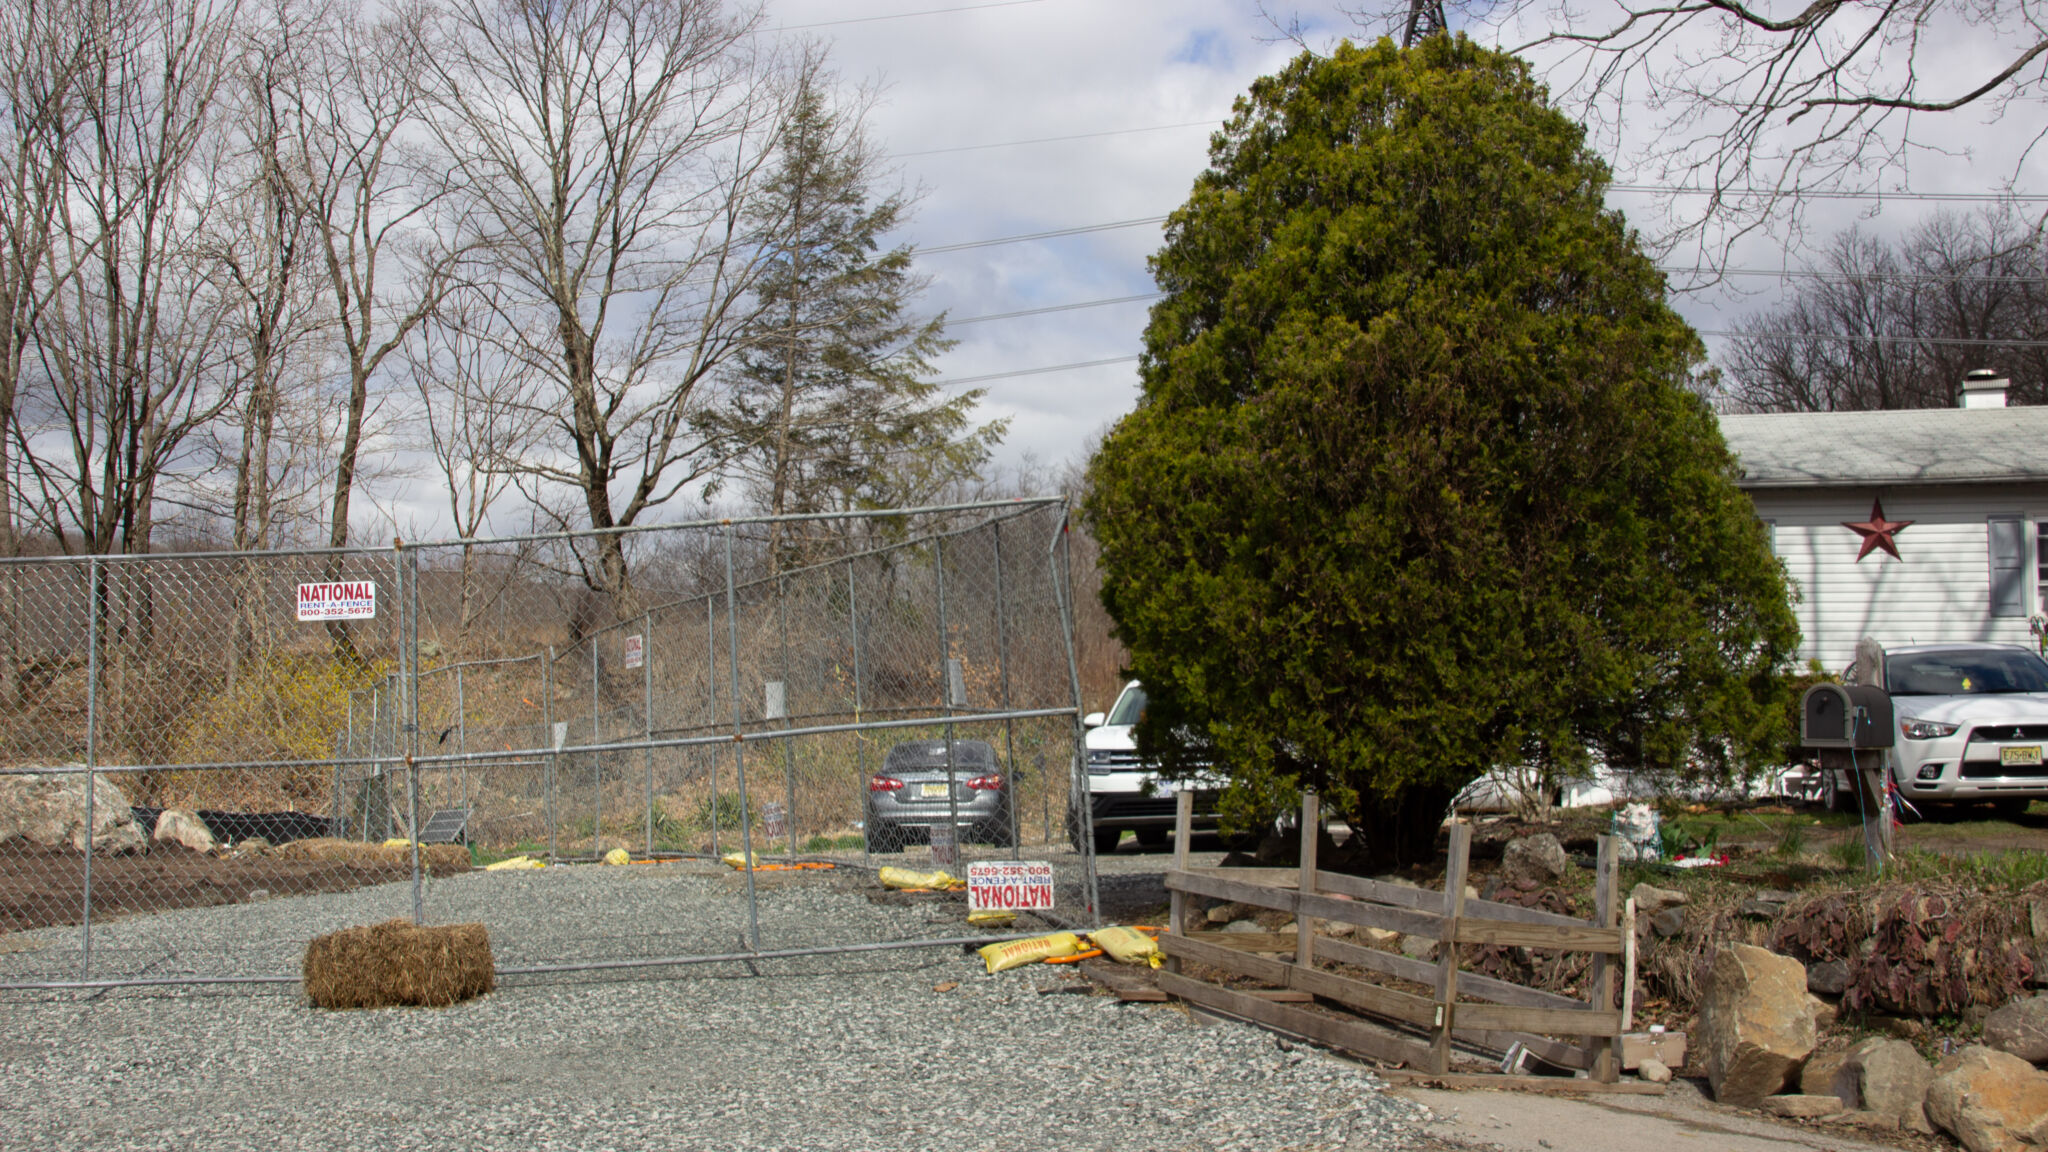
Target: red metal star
(1877, 532)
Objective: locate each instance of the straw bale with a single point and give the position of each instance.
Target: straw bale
(399, 963)
(435, 859)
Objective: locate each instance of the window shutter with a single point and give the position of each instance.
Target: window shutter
(2008, 567)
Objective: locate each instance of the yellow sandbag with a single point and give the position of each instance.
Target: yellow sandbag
(1127, 946)
(618, 856)
(515, 864)
(905, 878)
(736, 860)
(992, 918)
(398, 842)
(1037, 950)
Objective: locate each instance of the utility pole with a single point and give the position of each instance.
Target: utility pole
(1425, 18)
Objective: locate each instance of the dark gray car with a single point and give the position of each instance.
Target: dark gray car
(910, 795)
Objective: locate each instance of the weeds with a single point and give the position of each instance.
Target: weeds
(2014, 869)
(1791, 841)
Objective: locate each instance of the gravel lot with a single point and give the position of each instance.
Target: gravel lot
(853, 1052)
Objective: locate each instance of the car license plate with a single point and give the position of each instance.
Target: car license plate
(2024, 754)
(938, 791)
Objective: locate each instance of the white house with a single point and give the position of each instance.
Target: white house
(1960, 494)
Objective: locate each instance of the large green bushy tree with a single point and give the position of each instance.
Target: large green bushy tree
(1417, 485)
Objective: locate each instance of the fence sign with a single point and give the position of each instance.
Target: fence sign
(343, 600)
(635, 650)
(1009, 885)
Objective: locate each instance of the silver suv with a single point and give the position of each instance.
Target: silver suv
(1973, 726)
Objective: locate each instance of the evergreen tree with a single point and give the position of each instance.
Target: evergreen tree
(830, 410)
(1416, 486)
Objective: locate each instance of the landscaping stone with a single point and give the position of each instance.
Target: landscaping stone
(1828, 977)
(1817, 1075)
(1989, 1100)
(1540, 858)
(1824, 1013)
(1653, 1071)
(1651, 899)
(1667, 1048)
(1802, 1107)
(49, 809)
(1759, 909)
(1420, 947)
(1668, 923)
(1756, 1024)
(185, 829)
(1888, 1077)
(1385, 939)
(2020, 1029)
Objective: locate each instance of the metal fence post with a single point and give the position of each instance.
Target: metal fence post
(946, 694)
(1003, 673)
(462, 739)
(92, 728)
(647, 714)
(1060, 558)
(547, 723)
(788, 744)
(711, 702)
(860, 744)
(409, 669)
(739, 753)
(596, 760)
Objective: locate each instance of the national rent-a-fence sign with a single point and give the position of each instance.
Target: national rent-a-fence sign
(338, 600)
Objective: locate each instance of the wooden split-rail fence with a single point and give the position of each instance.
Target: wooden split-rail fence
(1467, 1007)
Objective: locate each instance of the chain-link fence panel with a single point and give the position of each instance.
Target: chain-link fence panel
(425, 730)
(177, 742)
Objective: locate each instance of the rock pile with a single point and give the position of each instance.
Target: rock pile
(49, 809)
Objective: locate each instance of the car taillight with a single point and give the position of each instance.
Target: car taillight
(993, 782)
(884, 784)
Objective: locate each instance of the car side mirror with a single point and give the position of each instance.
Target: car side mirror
(1093, 720)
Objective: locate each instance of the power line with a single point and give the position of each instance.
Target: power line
(1054, 139)
(1042, 235)
(904, 15)
(1037, 371)
(1056, 308)
(1818, 194)
(1851, 338)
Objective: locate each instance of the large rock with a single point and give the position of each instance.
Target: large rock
(1651, 899)
(1756, 1024)
(1990, 1101)
(2020, 1029)
(49, 809)
(1828, 977)
(1887, 1077)
(185, 829)
(1540, 858)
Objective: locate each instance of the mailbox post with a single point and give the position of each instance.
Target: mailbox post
(1854, 723)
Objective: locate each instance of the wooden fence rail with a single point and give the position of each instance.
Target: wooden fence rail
(1497, 1014)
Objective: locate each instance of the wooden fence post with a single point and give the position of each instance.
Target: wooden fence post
(1305, 924)
(1447, 947)
(1600, 1050)
(1183, 828)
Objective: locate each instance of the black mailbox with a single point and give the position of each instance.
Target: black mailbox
(1846, 716)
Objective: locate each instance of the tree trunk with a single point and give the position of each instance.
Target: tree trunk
(1396, 832)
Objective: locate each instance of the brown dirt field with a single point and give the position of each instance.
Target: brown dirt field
(42, 887)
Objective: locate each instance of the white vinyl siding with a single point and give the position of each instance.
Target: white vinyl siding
(1941, 590)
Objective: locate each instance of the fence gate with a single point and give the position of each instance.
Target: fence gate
(215, 757)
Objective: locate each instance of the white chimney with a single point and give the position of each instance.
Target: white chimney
(1984, 388)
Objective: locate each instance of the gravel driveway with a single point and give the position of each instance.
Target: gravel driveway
(852, 1052)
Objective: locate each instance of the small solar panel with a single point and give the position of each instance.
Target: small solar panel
(445, 826)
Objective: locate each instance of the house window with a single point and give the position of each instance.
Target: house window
(2008, 566)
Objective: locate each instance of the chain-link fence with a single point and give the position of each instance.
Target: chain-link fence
(367, 731)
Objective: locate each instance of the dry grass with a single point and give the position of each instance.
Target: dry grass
(397, 963)
(435, 859)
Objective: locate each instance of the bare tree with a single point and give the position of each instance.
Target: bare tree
(610, 148)
(475, 424)
(131, 350)
(1880, 324)
(1755, 107)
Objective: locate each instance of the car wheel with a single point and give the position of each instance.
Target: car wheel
(1105, 840)
(1152, 837)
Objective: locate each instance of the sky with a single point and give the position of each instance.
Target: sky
(1031, 116)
